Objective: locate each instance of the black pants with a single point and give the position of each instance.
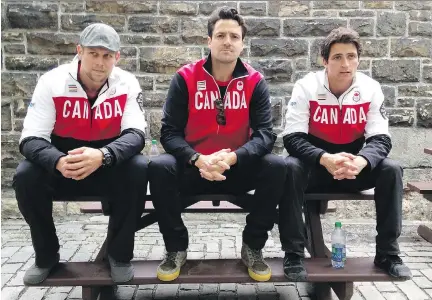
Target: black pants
(386, 177)
(124, 185)
(169, 180)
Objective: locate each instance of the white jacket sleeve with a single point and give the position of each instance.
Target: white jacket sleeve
(41, 113)
(134, 115)
(297, 115)
(377, 120)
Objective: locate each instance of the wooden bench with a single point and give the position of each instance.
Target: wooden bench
(95, 279)
(425, 189)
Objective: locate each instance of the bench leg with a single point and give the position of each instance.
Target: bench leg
(90, 293)
(322, 291)
(314, 229)
(344, 290)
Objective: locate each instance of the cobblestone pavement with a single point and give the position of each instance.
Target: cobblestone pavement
(211, 236)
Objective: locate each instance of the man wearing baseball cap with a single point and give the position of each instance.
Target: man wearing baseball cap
(82, 136)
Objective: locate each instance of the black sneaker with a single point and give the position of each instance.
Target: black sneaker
(294, 268)
(393, 265)
(36, 275)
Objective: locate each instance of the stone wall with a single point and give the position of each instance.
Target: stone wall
(160, 36)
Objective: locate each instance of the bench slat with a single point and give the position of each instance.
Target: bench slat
(421, 187)
(213, 271)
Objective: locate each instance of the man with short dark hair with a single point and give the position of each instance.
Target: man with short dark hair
(82, 136)
(330, 116)
(217, 129)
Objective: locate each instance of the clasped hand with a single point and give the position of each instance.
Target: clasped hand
(343, 165)
(80, 163)
(212, 167)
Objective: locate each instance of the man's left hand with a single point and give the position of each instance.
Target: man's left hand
(350, 169)
(82, 162)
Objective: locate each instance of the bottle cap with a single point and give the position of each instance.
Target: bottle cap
(154, 142)
(338, 225)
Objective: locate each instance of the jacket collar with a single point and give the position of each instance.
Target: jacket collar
(239, 70)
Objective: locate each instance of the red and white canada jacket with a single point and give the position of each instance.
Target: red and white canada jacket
(329, 124)
(61, 118)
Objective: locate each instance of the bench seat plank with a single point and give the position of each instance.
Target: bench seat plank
(93, 205)
(213, 271)
(422, 187)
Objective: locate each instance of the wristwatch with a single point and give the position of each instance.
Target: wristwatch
(107, 158)
(194, 158)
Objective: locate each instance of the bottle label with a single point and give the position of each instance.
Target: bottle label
(338, 253)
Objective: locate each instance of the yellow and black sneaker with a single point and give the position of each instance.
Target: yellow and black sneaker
(258, 269)
(169, 268)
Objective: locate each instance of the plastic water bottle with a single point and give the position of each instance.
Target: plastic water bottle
(338, 247)
(154, 151)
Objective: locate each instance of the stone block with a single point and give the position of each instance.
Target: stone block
(374, 47)
(406, 102)
(146, 82)
(263, 27)
(14, 48)
(403, 70)
(128, 51)
(194, 31)
(253, 8)
(279, 70)
(51, 43)
(153, 118)
(424, 113)
(286, 48)
(71, 22)
(32, 16)
(138, 39)
(18, 84)
(207, 7)
(301, 64)
(389, 95)
(6, 117)
(377, 4)
(420, 15)
(391, 24)
(178, 8)
(20, 107)
(357, 13)
(413, 5)
(315, 55)
(154, 24)
(415, 90)
(166, 59)
(427, 74)
(410, 47)
(335, 4)
(276, 111)
(29, 63)
(364, 26)
(72, 7)
(420, 29)
(155, 99)
(288, 8)
(128, 64)
(402, 117)
(325, 13)
(11, 37)
(121, 7)
(281, 90)
(311, 27)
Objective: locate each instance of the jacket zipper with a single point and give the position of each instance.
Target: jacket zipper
(223, 100)
(340, 106)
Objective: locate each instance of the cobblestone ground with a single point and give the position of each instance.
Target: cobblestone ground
(211, 236)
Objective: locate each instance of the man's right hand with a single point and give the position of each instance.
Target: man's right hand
(213, 166)
(333, 162)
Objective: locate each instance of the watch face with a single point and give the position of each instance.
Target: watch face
(108, 160)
